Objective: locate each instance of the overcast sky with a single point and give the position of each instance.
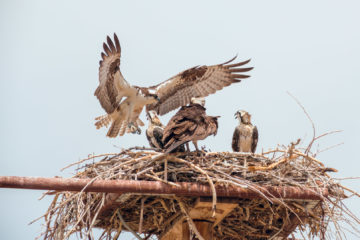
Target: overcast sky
(49, 71)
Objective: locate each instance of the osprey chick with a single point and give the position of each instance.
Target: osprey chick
(190, 123)
(123, 115)
(246, 135)
(155, 131)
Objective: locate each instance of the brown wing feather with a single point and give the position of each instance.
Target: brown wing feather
(190, 123)
(255, 138)
(110, 76)
(196, 82)
(179, 120)
(235, 140)
(115, 128)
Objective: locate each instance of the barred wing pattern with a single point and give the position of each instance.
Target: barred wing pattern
(112, 85)
(199, 81)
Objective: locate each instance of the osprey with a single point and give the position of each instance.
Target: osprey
(246, 135)
(190, 123)
(155, 131)
(123, 115)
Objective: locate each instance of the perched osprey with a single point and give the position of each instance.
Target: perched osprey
(190, 123)
(246, 135)
(155, 131)
(123, 115)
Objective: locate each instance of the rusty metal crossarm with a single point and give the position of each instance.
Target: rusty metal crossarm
(156, 187)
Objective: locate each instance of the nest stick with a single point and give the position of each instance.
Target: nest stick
(165, 169)
(207, 177)
(271, 166)
(88, 158)
(128, 228)
(118, 231)
(161, 180)
(96, 214)
(350, 190)
(141, 215)
(189, 220)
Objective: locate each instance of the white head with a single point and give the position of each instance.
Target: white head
(148, 94)
(199, 100)
(243, 116)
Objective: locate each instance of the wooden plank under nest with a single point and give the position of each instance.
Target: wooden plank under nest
(205, 223)
(201, 214)
(294, 221)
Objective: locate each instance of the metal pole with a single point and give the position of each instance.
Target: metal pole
(156, 187)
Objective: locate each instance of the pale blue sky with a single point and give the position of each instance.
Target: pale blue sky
(49, 70)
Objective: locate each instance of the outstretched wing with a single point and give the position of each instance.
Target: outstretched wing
(199, 81)
(112, 85)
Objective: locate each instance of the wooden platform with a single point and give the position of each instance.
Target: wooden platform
(202, 216)
(205, 222)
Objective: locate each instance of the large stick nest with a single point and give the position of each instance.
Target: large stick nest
(148, 216)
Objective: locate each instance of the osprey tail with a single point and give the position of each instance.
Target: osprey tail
(102, 121)
(118, 125)
(115, 128)
(176, 145)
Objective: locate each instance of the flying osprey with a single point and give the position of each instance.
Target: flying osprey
(190, 123)
(123, 115)
(246, 135)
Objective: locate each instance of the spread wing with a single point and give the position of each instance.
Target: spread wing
(112, 85)
(199, 81)
(235, 140)
(255, 138)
